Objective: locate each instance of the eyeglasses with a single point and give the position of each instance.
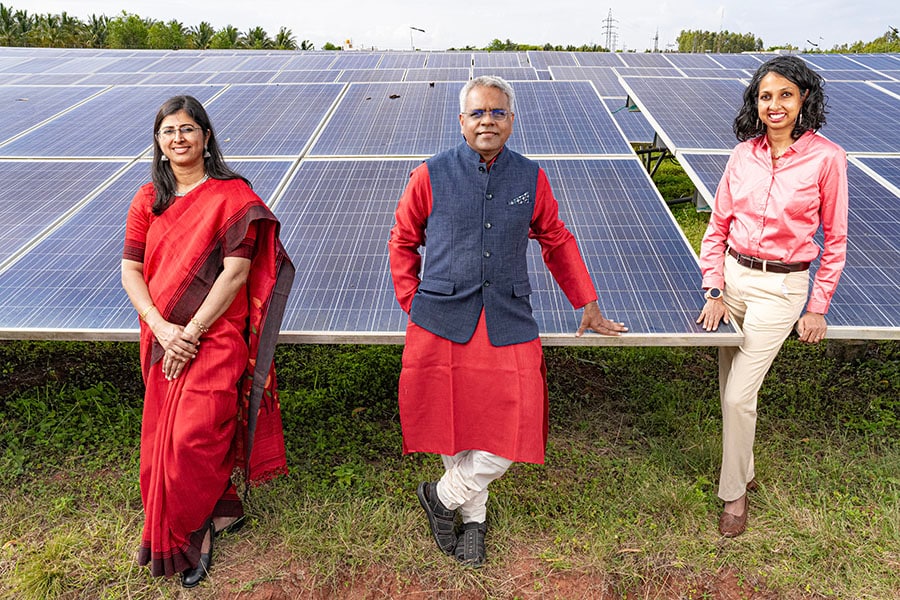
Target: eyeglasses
(497, 114)
(184, 130)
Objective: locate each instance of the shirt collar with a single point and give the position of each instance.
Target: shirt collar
(799, 145)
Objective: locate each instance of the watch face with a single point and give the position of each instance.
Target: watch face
(714, 293)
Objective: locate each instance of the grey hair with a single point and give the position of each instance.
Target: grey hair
(488, 81)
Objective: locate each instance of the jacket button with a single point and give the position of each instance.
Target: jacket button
(481, 169)
(489, 196)
(487, 284)
(487, 253)
(487, 225)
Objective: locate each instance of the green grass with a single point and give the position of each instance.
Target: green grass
(625, 506)
(625, 503)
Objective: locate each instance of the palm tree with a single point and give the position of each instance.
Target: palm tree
(9, 27)
(285, 39)
(201, 36)
(227, 37)
(307, 45)
(96, 31)
(257, 38)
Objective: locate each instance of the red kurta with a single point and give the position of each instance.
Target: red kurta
(476, 396)
(198, 428)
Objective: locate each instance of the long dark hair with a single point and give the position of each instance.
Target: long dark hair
(161, 172)
(747, 124)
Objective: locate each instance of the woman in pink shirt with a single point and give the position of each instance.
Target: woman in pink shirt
(782, 182)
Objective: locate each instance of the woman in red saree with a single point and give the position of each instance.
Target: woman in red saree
(205, 270)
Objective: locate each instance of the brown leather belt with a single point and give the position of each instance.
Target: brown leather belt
(768, 266)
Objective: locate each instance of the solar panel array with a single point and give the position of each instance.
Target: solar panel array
(328, 140)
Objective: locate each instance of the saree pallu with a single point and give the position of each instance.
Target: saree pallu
(221, 416)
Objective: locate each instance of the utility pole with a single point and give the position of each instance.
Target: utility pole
(610, 31)
(656, 41)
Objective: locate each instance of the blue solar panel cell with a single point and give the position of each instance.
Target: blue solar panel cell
(439, 74)
(496, 59)
(363, 75)
(448, 60)
(128, 111)
(507, 73)
(862, 126)
(598, 59)
(691, 61)
(251, 120)
(689, 113)
(887, 167)
(544, 60)
(385, 119)
(35, 195)
(111, 78)
(564, 117)
(605, 79)
(307, 76)
(71, 279)
(356, 61)
(24, 107)
(402, 60)
(242, 77)
(318, 60)
(634, 59)
(737, 61)
(58, 79)
(633, 124)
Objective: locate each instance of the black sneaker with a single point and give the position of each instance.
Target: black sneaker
(441, 519)
(469, 549)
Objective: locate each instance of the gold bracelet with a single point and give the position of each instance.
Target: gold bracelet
(203, 328)
(143, 314)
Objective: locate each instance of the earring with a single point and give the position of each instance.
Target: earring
(758, 124)
(206, 153)
(164, 158)
(800, 118)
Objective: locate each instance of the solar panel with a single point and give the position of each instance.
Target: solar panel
(51, 79)
(372, 75)
(691, 61)
(862, 118)
(71, 279)
(717, 73)
(496, 59)
(736, 61)
(23, 107)
(256, 62)
(36, 194)
(887, 167)
(110, 78)
(564, 117)
(124, 115)
(439, 74)
(867, 301)
(633, 59)
(448, 60)
(632, 123)
(507, 73)
(241, 77)
(181, 78)
(251, 120)
(336, 216)
(83, 64)
(542, 60)
(878, 62)
(346, 60)
(667, 71)
(689, 113)
(130, 64)
(391, 119)
(308, 76)
(829, 62)
(598, 59)
(319, 60)
(402, 60)
(605, 79)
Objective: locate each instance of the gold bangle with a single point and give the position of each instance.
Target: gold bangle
(203, 328)
(143, 314)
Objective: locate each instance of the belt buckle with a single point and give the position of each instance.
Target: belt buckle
(764, 263)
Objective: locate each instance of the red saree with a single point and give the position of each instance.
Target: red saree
(221, 416)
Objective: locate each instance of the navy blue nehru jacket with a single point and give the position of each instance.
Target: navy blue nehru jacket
(477, 239)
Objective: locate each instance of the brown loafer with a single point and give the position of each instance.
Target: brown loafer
(734, 525)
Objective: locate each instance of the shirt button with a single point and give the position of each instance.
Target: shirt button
(487, 253)
(487, 225)
(481, 169)
(489, 196)
(487, 284)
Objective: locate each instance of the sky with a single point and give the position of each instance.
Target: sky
(387, 24)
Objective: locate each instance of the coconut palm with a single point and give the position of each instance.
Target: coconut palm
(257, 38)
(285, 39)
(201, 36)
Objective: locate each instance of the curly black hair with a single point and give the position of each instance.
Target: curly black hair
(161, 172)
(747, 124)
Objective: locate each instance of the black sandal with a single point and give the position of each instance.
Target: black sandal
(192, 577)
(469, 549)
(441, 519)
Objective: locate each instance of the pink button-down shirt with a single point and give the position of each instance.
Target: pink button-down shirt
(773, 213)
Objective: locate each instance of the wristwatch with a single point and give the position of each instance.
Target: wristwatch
(713, 294)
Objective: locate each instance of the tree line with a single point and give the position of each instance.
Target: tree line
(20, 28)
(127, 30)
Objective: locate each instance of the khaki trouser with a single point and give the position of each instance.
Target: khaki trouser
(765, 306)
(465, 482)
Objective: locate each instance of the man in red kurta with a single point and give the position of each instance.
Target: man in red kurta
(472, 386)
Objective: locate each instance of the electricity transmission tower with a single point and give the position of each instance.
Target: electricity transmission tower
(610, 29)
